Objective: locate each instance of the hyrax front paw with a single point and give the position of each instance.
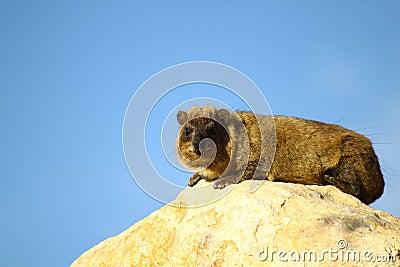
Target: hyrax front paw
(194, 179)
(224, 182)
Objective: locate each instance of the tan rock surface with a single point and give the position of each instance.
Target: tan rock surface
(292, 224)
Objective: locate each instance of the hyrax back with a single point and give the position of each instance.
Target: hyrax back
(306, 151)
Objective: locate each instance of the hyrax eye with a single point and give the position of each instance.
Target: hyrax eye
(213, 130)
(187, 131)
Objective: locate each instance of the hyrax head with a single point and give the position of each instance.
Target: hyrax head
(202, 136)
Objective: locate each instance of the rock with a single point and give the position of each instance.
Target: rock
(280, 224)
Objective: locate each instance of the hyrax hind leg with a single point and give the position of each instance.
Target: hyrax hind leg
(357, 172)
(346, 177)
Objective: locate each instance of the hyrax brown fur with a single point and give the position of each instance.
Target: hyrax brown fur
(306, 151)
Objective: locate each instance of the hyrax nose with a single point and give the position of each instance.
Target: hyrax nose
(195, 149)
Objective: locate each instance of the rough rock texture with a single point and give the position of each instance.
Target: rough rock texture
(281, 224)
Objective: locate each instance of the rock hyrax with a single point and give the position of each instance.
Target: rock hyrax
(306, 151)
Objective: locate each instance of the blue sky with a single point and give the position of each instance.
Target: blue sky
(69, 69)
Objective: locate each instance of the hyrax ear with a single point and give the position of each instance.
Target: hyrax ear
(181, 117)
(222, 115)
